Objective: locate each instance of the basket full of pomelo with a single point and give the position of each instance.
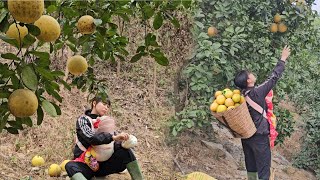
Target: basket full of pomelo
(230, 109)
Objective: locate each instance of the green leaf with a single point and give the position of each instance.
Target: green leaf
(27, 121)
(49, 108)
(83, 39)
(120, 57)
(52, 8)
(12, 130)
(175, 22)
(17, 124)
(97, 22)
(29, 78)
(4, 95)
(125, 17)
(10, 56)
(92, 60)
(186, 3)
(15, 81)
(199, 24)
(40, 115)
(158, 21)
(140, 49)
(190, 124)
(72, 47)
(3, 14)
(4, 24)
(43, 63)
(174, 132)
(57, 73)
(159, 57)
(33, 29)
(58, 46)
(28, 40)
(58, 110)
(56, 96)
(150, 40)
(45, 73)
(3, 121)
(147, 12)
(137, 57)
(10, 41)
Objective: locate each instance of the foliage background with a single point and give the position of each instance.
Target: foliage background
(245, 42)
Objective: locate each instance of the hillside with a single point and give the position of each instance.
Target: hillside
(143, 100)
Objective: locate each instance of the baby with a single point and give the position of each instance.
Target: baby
(103, 152)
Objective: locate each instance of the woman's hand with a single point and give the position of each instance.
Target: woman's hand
(285, 53)
(121, 137)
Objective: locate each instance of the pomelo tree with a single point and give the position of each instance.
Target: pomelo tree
(39, 29)
(250, 35)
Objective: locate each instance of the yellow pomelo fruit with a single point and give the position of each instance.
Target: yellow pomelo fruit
(236, 104)
(23, 103)
(273, 28)
(26, 11)
(231, 107)
(214, 106)
(217, 93)
(212, 31)
(199, 176)
(221, 108)
(63, 165)
(236, 91)
(226, 89)
(77, 65)
(54, 170)
(277, 18)
(215, 101)
(282, 27)
(301, 2)
(228, 94)
(37, 161)
(13, 32)
(229, 102)
(86, 25)
(49, 28)
(220, 99)
(236, 98)
(242, 100)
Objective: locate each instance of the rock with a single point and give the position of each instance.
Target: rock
(35, 168)
(217, 148)
(221, 132)
(279, 159)
(290, 170)
(220, 152)
(235, 149)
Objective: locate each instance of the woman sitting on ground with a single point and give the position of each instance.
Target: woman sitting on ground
(87, 136)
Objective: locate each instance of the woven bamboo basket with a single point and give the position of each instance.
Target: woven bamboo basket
(238, 120)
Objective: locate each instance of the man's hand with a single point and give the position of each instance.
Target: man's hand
(121, 137)
(285, 53)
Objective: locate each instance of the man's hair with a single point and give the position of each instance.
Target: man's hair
(98, 99)
(241, 79)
